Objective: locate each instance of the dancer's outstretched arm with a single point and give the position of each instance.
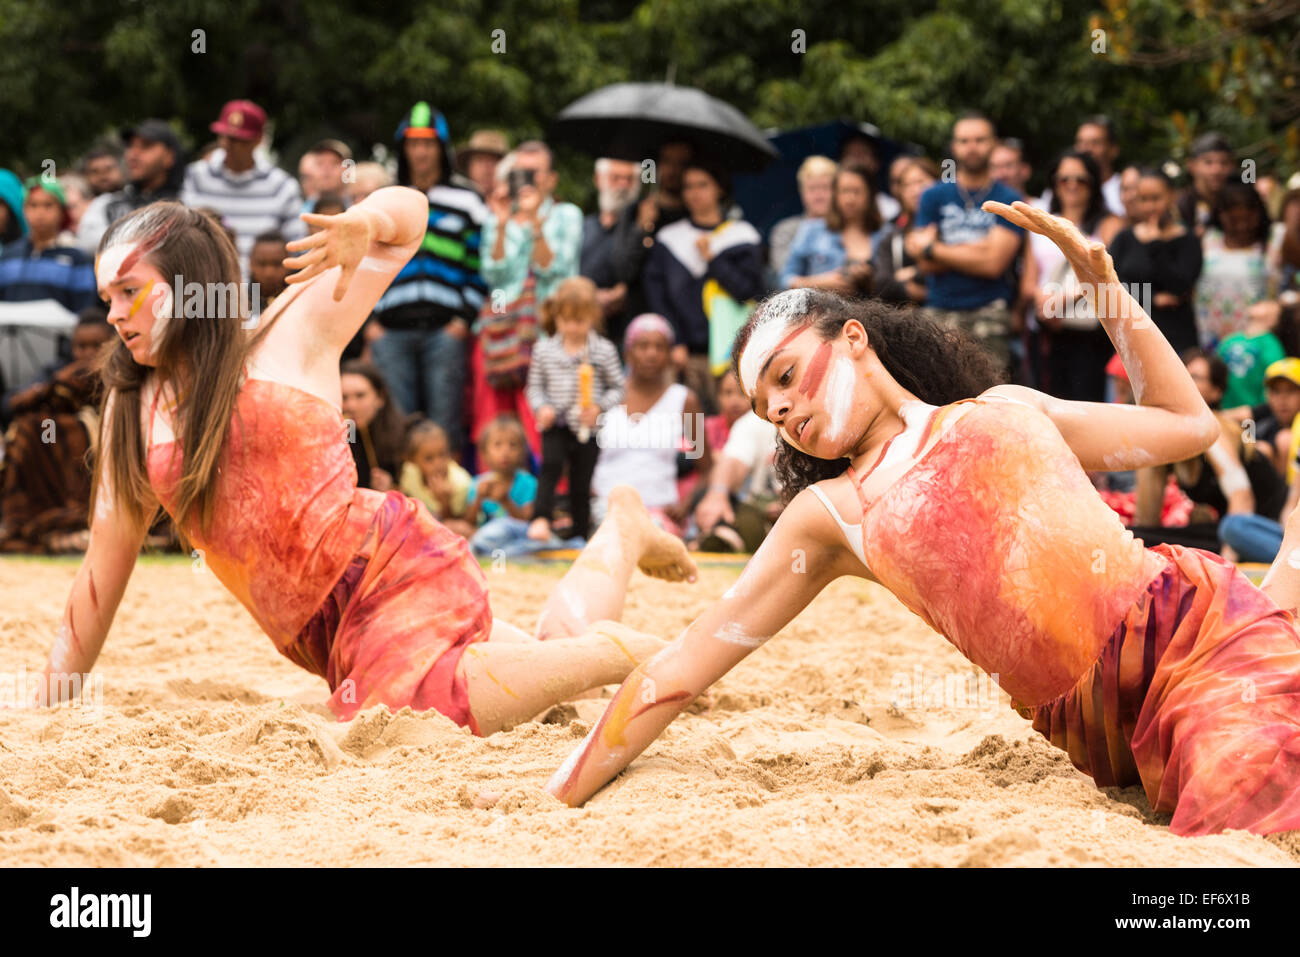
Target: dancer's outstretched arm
(803, 553)
(97, 590)
(1170, 421)
(371, 242)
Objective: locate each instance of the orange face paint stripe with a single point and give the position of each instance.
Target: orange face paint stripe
(812, 377)
(139, 300)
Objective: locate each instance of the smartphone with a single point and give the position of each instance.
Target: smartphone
(519, 178)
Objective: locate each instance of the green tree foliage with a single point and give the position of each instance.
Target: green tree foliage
(1165, 70)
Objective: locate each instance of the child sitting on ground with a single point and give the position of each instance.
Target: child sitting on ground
(501, 499)
(430, 475)
(505, 488)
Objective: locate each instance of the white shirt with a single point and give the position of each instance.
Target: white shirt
(753, 441)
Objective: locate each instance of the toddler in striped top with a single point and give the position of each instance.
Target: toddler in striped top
(574, 376)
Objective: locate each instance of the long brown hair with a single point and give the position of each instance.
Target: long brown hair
(388, 428)
(204, 353)
(835, 216)
(936, 364)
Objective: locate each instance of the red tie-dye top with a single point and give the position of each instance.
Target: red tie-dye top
(996, 537)
(288, 516)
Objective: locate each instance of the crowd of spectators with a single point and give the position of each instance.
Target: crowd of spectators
(530, 357)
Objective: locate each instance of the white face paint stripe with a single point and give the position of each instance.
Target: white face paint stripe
(839, 395)
(761, 343)
(778, 313)
(111, 261)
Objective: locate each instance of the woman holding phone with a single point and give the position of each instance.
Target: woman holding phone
(531, 244)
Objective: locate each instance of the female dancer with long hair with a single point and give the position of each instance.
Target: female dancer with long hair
(239, 437)
(970, 501)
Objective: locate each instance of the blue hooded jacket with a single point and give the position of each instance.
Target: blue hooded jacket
(12, 195)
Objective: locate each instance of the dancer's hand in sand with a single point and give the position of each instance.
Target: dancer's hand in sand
(343, 240)
(1092, 264)
(769, 593)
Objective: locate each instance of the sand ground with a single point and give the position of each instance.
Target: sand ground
(855, 737)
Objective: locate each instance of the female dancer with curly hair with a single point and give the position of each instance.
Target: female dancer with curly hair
(907, 465)
(237, 434)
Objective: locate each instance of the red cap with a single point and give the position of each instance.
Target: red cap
(241, 119)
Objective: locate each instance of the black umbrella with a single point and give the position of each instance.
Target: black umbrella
(630, 121)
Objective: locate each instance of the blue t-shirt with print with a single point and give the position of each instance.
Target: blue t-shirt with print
(945, 204)
(522, 491)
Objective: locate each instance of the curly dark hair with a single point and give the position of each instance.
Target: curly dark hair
(937, 364)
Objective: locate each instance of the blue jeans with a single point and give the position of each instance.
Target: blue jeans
(1253, 537)
(509, 536)
(426, 372)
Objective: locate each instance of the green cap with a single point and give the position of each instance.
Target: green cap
(50, 185)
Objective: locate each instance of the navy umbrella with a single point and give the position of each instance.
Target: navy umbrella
(630, 121)
(772, 195)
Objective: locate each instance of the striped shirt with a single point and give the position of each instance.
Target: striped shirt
(553, 377)
(255, 201)
(441, 282)
(62, 273)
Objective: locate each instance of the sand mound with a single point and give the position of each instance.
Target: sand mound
(858, 736)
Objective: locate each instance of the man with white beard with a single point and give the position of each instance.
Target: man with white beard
(618, 184)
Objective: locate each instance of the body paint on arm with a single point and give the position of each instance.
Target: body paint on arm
(733, 634)
(609, 730)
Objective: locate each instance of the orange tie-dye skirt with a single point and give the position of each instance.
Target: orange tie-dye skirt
(393, 629)
(1197, 697)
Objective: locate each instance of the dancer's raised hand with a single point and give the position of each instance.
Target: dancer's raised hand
(343, 240)
(1092, 264)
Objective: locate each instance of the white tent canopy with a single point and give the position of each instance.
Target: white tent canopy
(29, 334)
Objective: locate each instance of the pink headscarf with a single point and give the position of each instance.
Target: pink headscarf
(648, 322)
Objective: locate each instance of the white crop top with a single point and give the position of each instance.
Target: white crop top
(853, 533)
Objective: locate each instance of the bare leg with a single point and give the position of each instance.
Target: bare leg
(510, 682)
(595, 586)
(1282, 583)
(502, 630)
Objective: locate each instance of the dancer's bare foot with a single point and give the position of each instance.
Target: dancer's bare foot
(539, 530)
(662, 554)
